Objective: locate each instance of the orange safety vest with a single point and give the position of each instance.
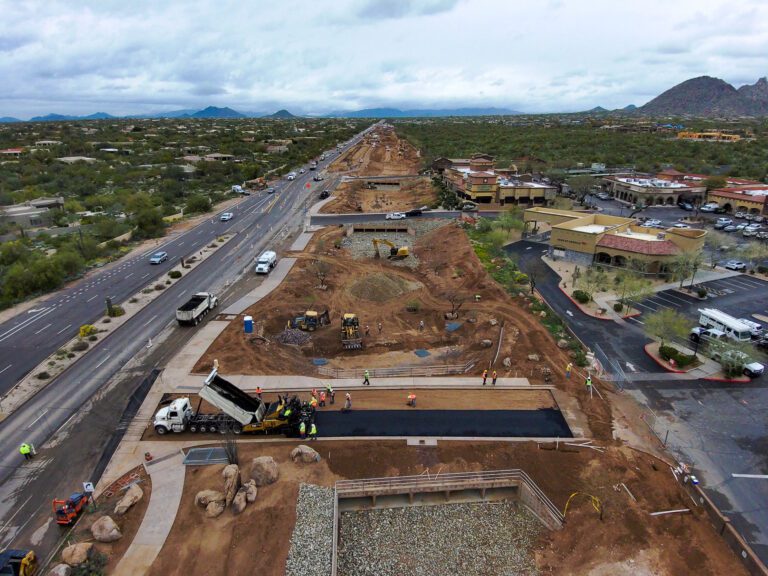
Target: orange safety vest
(411, 396)
(322, 396)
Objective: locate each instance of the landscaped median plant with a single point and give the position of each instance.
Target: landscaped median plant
(581, 296)
(681, 360)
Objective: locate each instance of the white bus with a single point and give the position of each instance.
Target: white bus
(734, 328)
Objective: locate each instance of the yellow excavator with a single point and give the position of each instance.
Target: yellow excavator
(395, 252)
(18, 562)
(310, 321)
(350, 332)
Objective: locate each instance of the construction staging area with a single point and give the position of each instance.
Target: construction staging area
(424, 469)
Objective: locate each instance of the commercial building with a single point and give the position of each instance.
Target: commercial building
(478, 180)
(653, 190)
(749, 199)
(714, 136)
(589, 238)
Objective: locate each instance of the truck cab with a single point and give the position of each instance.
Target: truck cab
(266, 262)
(174, 417)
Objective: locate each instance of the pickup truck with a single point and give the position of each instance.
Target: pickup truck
(192, 311)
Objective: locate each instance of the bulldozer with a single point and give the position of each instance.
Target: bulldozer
(395, 252)
(310, 321)
(350, 332)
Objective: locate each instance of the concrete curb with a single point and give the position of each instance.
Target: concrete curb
(660, 362)
(575, 303)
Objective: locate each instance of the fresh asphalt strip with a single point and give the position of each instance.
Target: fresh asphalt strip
(544, 423)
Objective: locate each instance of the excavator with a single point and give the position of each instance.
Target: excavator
(395, 252)
(18, 562)
(310, 321)
(350, 332)
(67, 511)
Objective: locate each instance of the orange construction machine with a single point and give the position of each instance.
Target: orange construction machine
(67, 511)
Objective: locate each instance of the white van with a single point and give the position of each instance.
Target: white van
(266, 262)
(291, 176)
(755, 328)
(735, 329)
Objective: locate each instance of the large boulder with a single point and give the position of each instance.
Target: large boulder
(77, 553)
(214, 509)
(106, 530)
(240, 501)
(305, 454)
(250, 491)
(264, 470)
(132, 495)
(205, 497)
(485, 343)
(562, 344)
(61, 570)
(231, 474)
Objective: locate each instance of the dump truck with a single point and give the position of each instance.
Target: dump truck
(193, 311)
(310, 321)
(395, 252)
(350, 332)
(239, 412)
(18, 562)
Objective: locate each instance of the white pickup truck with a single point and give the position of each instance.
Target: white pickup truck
(192, 311)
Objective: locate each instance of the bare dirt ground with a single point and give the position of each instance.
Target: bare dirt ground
(353, 196)
(625, 541)
(128, 523)
(381, 153)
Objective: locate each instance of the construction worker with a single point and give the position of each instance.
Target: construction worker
(347, 403)
(322, 398)
(258, 392)
(367, 330)
(303, 430)
(366, 378)
(421, 325)
(380, 327)
(331, 393)
(313, 403)
(287, 411)
(485, 376)
(568, 370)
(412, 400)
(313, 431)
(493, 381)
(588, 382)
(26, 451)
(314, 392)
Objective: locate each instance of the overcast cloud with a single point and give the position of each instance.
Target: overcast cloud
(316, 56)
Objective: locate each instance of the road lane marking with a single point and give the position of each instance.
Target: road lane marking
(6, 368)
(128, 276)
(43, 328)
(757, 476)
(182, 293)
(19, 327)
(145, 275)
(65, 327)
(150, 320)
(181, 243)
(91, 298)
(19, 509)
(102, 362)
(38, 418)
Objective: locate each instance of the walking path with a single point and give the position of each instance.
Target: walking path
(167, 476)
(278, 274)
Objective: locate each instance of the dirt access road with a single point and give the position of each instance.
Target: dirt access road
(381, 153)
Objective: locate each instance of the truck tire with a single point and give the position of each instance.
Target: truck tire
(161, 430)
(193, 428)
(213, 428)
(237, 429)
(203, 428)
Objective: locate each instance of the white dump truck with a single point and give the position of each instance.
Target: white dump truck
(238, 412)
(194, 309)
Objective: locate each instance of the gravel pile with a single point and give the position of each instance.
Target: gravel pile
(293, 336)
(312, 539)
(452, 539)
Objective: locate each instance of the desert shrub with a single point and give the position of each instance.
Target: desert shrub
(618, 306)
(146, 291)
(43, 375)
(93, 337)
(413, 306)
(762, 269)
(86, 330)
(79, 346)
(70, 355)
(701, 292)
(159, 286)
(672, 353)
(175, 274)
(581, 296)
(167, 282)
(106, 321)
(116, 311)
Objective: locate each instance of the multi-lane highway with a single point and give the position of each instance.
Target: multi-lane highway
(256, 220)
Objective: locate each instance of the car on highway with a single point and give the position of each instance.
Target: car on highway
(317, 178)
(158, 257)
(271, 190)
(395, 216)
(302, 171)
(325, 194)
(415, 212)
(226, 216)
(737, 265)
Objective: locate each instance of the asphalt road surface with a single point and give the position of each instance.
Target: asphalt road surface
(545, 423)
(256, 220)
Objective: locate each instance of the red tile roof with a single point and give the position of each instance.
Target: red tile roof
(740, 193)
(639, 246)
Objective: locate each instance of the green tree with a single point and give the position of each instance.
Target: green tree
(632, 287)
(715, 182)
(685, 265)
(733, 356)
(149, 223)
(666, 323)
(198, 204)
(592, 280)
(510, 220)
(581, 185)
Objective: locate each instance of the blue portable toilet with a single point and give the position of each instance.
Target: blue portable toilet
(248, 324)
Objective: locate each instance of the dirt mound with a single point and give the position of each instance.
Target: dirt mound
(380, 287)
(293, 336)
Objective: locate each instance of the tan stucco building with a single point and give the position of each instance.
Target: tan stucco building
(590, 238)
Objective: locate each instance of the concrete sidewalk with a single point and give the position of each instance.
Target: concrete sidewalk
(271, 282)
(167, 487)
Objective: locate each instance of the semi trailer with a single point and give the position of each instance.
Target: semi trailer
(193, 311)
(238, 412)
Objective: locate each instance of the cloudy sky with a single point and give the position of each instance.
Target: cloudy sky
(314, 56)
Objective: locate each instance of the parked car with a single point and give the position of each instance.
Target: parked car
(709, 207)
(226, 216)
(414, 212)
(687, 206)
(721, 223)
(730, 228)
(758, 219)
(680, 225)
(740, 215)
(158, 257)
(604, 196)
(325, 194)
(395, 216)
(750, 368)
(699, 334)
(735, 265)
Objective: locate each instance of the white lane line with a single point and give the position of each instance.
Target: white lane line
(6, 368)
(181, 244)
(91, 298)
(65, 423)
(755, 476)
(19, 509)
(102, 362)
(38, 418)
(182, 293)
(129, 275)
(65, 327)
(13, 331)
(150, 320)
(43, 328)
(145, 275)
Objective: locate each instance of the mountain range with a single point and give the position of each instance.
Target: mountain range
(421, 113)
(708, 96)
